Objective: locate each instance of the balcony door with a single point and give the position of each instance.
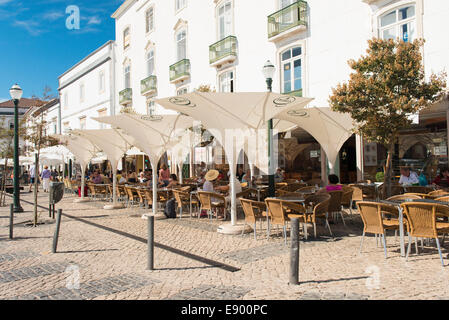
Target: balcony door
(225, 20)
(287, 17)
(181, 44)
(291, 61)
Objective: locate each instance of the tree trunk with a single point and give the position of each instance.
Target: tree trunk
(3, 186)
(388, 172)
(36, 185)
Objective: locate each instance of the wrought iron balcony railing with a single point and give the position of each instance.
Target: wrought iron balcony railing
(126, 96)
(148, 85)
(226, 47)
(180, 69)
(289, 17)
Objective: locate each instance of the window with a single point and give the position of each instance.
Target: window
(11, 125)
(181, 91)
(399, 23)
(102, 113)
(55, 128)
(66, 126)
(101, 80)
(66, 101)
(151, 108)
(149, 20)
(181, 45)
(82, 123)
(226, 81)
(126, 38)
(287, 17)
(127, 76)
(150, 62)
(291, 66)
(225, 20)
(82, 93)
(180, 4)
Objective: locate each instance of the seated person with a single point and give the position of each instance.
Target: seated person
(227, 188)
(142, 178)
(132, 177)
(97, 178)
(240, 173)
(123, 179)
(173, 181)
(408, 177)
(247, 177)
(333, 184)
(209, 177)
(442, 180)
(279, 175)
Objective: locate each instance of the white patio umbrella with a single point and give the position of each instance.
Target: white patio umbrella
(330, 129)
(83, 150)
(55, 152)
(242, 113)
(114, 143)
(153, 135)
(181, 150)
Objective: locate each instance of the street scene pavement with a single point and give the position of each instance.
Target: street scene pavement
(103, 255)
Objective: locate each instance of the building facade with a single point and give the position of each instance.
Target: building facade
(87, 90)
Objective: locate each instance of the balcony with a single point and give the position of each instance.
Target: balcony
(148, 86)
(296, 93)
(126, 96)
(223, 51)
(180, 71)
(287, 21)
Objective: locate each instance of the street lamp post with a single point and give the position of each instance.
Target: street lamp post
(16, 95)
(268, 72)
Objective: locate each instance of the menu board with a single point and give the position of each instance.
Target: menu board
(370, 154)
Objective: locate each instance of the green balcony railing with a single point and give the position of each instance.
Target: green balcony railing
(223, 48)
(126, 96)
(296, 93)
(180, 69)
(148, 84)
(289, 17)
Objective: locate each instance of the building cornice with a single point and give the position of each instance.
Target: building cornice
(123, 8)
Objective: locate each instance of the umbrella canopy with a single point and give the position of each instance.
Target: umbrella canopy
(114, 143)
(153, 135)
(83, 150)
(330, 129)
(243, 113)
(134, 152)
(50, 160)
(58, 150)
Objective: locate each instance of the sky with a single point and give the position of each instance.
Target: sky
(39, 40)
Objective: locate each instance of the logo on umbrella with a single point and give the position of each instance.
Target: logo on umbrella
(151, 118)
(297, 113)
(182, 102)
(283, 101)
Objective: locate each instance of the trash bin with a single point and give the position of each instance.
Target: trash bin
(56, 192)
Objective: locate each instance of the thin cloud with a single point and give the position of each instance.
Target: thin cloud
(94, 20)
(53, 15)
(2, 2)
(29, 25)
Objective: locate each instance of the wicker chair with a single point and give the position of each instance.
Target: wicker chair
(443, 199)
(283, 193)
(346, 198)
(92, 191)
(132, 195)
(317, 206)
(335, 204)
(253, 210)
(437, 194)
(292, 187)
(142, 197)
(363, 193)
(423, 223)
(374, 223)
(183, 199)
(277, 214)
(296, 210)
(306, 189)
(211, 201)
(422, 195)
(121, 193)
(405, 197)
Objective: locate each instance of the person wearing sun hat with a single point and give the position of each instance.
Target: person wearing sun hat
(210, 176)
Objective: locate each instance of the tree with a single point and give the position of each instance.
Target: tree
(37, 138)
(387, 86)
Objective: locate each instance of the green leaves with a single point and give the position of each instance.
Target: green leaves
(387, 85)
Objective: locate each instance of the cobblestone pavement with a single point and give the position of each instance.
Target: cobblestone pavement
(102, 255)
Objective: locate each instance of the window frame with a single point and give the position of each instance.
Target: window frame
(149, 30)
(221, 74)
(147, 52)
(178, 31)
(291, 60)
(398, 23)
(177, 10)
(127, 65)
(217, 18)
(126, 40)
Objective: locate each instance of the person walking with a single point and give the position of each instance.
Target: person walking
(46, 175)
(32, 176)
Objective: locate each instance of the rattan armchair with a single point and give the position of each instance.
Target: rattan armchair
(437, 194)
(317, 206)
(183, 199)
(418, 189)
(405, 197)
(374, 223)
(253, 210)
(346, 198)
(211, 202)
(277, 215)
(423, 223)
(335, 205)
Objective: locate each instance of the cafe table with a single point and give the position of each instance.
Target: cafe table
(260, 188)
(397, 203)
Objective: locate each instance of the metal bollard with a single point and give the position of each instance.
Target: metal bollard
(56, 235)
(11, 221)
(49, 210)
(294, 252)
(150, 265)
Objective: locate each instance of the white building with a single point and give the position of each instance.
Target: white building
(87, 90)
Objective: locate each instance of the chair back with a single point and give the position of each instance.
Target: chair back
(347, 195)
(371, 216)
(321, 208)
(292, 187)
(284, 193)
(357, 193)
(443, 199)
(438, 194)
(421, 218)
(276, 211)
(91, 189)
(205, 199)
(306, 189)
(421, 195)
(249, 208)
(180, 197)
(335, 201)
(316, 199)
(405, 197)
(129, 193)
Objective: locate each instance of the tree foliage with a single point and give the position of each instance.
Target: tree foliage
(387, 86)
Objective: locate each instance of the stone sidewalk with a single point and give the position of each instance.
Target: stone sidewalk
(102, 255)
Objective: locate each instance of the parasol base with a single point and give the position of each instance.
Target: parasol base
(113, 206)
(81, 200)
(234, 230)
(157, 216)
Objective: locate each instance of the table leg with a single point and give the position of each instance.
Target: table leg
(258, 195)
(401, 231)
(190, 205)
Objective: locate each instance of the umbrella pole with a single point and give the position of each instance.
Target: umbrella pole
(233, 197)
(154, 188)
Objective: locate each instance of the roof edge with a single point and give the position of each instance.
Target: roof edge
(122, 9)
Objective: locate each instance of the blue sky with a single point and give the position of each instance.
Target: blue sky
(36, 45)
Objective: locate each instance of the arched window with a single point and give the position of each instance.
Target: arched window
(226, 81)
(225, 20)
(291, 66)
(399, 23)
